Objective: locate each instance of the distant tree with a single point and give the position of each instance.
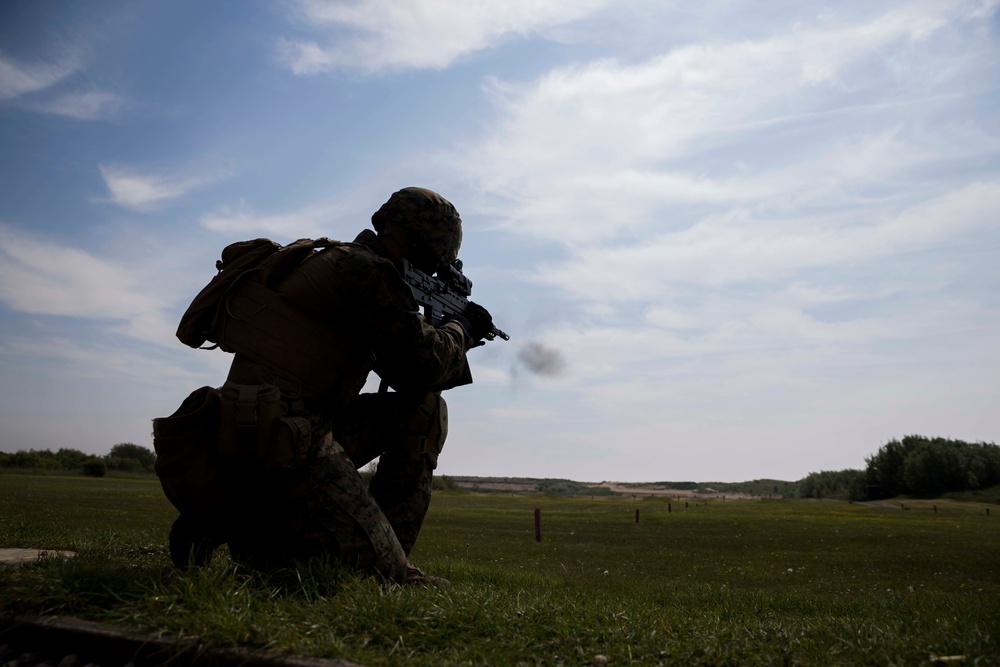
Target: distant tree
(95, 467)
(982, 466)
(921, 466)
(885, 468)
(22, 459)
(846, 484)
(444, 483)
(32, 459)
(127, 456)
(121, 464)
(71, 459)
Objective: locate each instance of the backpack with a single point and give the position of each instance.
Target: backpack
(192, 459)
(271, 261)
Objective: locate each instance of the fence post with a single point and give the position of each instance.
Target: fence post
(669, 510)
(637, 516)
(538, 524)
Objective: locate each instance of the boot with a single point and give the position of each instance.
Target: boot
(414, 575)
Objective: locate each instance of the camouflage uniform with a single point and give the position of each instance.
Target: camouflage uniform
(320, 505)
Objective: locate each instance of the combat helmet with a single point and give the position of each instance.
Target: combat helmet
(424, 223)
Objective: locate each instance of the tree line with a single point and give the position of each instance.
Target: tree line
(125, 457)
(913, 466)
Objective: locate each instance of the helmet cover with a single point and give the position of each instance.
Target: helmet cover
(425, 223)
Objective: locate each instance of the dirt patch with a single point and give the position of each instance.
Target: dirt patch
(513, 487)
(54, 640)
(646, 490)
(666, 492)
(11, 557)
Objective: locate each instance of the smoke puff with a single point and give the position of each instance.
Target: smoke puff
(541, 360)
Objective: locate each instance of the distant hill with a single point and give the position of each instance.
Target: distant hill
(760, 488)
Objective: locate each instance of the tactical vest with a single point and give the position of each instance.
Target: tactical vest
(317, 359)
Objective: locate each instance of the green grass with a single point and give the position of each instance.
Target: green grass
(715, 583)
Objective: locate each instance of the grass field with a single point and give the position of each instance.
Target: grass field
(759, 582)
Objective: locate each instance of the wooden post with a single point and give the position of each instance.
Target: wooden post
(538, 524)
(669, 508)
(685, 504)
(637, 516)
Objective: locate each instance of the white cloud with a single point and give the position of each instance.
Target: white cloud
(742, 348)
(718, 206)
(309, 221)
(305, 58)
(589, 152)
(94, 360)
(42, 278)
(83, 106)
(134, 190)
(383, 34)
(738, 246)
(521, 414)
(18, 78)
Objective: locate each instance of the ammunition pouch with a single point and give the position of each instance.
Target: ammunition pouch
(254, 431)
(187, 453)
(427, 429)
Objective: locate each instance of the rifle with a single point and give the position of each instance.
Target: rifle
(443, 295)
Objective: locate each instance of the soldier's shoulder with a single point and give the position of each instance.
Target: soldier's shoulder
(357, 257)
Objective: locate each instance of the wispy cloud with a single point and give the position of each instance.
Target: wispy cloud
(425, 34)
(131, 189)
(738, 247)
(43, 89)
(691, 126)
(17, 78)
(90, 105)
(42, 278)
(521, 414)
(316, 220)
(756, 224)
(39, 277)
(93, 360)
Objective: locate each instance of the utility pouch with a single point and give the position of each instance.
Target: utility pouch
(185, 444)
(427, 429)
(291, 441)
(247, 421)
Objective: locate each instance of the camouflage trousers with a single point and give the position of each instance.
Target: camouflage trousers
(322, 506)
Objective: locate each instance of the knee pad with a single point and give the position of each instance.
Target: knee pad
(427, 429)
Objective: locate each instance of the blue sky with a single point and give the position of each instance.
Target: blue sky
(729, 240)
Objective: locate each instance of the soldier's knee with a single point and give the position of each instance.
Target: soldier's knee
(427, 429)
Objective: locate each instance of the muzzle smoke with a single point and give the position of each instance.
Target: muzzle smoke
(541, 360)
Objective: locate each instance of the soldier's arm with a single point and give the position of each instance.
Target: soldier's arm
(409, 352)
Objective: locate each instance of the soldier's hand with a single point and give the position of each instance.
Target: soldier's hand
(480, 320)
(476, 323)
(466, 325)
